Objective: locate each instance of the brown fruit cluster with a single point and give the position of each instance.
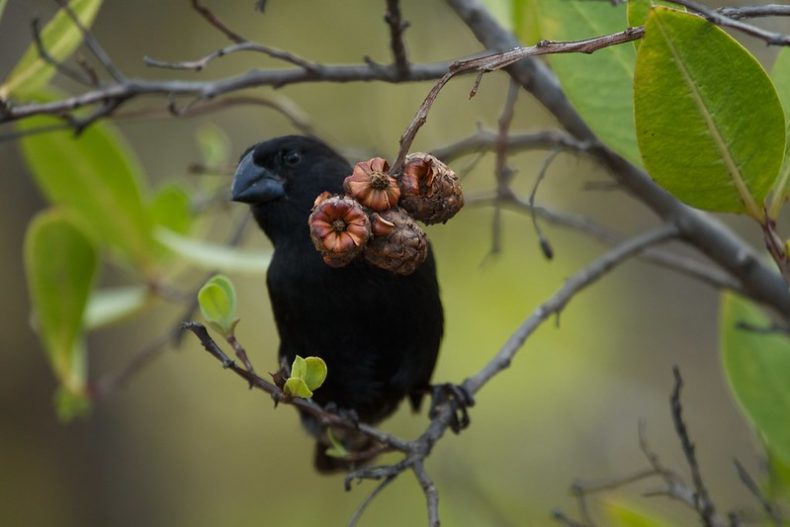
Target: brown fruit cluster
(377, 216)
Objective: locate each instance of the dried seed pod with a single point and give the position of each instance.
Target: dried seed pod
(398, 244)
(372, 186)
(430, 190)
(339, 228)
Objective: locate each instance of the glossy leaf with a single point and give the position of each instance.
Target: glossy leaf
(97, 176)
(217, 299)
(214, 256)
(623, 515)
(296, 387)
(315, 372)
(711, 131)
(108, 306)
(781, 77)
(298, 367)
(61, 264)
(599, 85)
(60, 38)
(757, 365)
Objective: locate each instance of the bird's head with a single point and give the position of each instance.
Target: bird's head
(280, 179)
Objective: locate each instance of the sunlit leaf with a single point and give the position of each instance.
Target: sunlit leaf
(60, 263)
(623, 515)
(60, 38)
(108, 306)
(217, 300)
(599, 85)
(315, 372)
(711, 131)
(296, 387)
(97, 176)
(214, 256)
(757, 365)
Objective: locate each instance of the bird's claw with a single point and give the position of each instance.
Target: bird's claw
(345, 413)
(459, 399)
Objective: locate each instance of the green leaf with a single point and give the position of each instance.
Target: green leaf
(296, 387)
(638, 10)
(214, 145)
(108, 306)
(214, 256)
(60, 38)
(622, 515)
(778, 484)
(711, 131)
(757, 365)
(598, 85)
(217, 299)
(298, 368)
(170, 208)
(2, 7)
(60, 263)
(337, 450)
(97, 177)
(315, 372)
(781, 77)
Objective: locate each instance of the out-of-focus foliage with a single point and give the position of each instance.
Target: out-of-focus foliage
(714, 148)
(621, 514)
(598, 85)
(60, 37)
(757, 364)
(61, 264)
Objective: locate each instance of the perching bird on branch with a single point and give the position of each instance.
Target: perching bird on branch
(378, 331)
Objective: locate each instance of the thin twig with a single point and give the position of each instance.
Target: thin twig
(206, 13)
(74, 75)
(431, 494)
(545, 246)
(771, 511)
(498, 60)
(755, 11)
(589, 275)
(515, 142)
(703, 503)
(199, 64)
(92, 43)
(364, 505)
(397, 26)
(720, 19)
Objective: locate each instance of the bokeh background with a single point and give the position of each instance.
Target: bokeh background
(186, 444)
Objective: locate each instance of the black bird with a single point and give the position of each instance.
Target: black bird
(378, 332)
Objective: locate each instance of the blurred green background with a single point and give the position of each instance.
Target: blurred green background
(188, 444)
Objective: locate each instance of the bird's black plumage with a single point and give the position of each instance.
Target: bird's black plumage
(378, 332)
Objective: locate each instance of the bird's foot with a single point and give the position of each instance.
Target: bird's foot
(345, 413)
(459, 399)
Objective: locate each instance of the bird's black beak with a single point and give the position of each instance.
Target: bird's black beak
(254, 184)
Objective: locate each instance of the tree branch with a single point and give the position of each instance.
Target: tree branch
(698, 229)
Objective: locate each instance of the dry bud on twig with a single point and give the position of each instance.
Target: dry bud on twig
(430, 190)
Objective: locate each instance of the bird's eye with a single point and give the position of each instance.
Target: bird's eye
(291, 158)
